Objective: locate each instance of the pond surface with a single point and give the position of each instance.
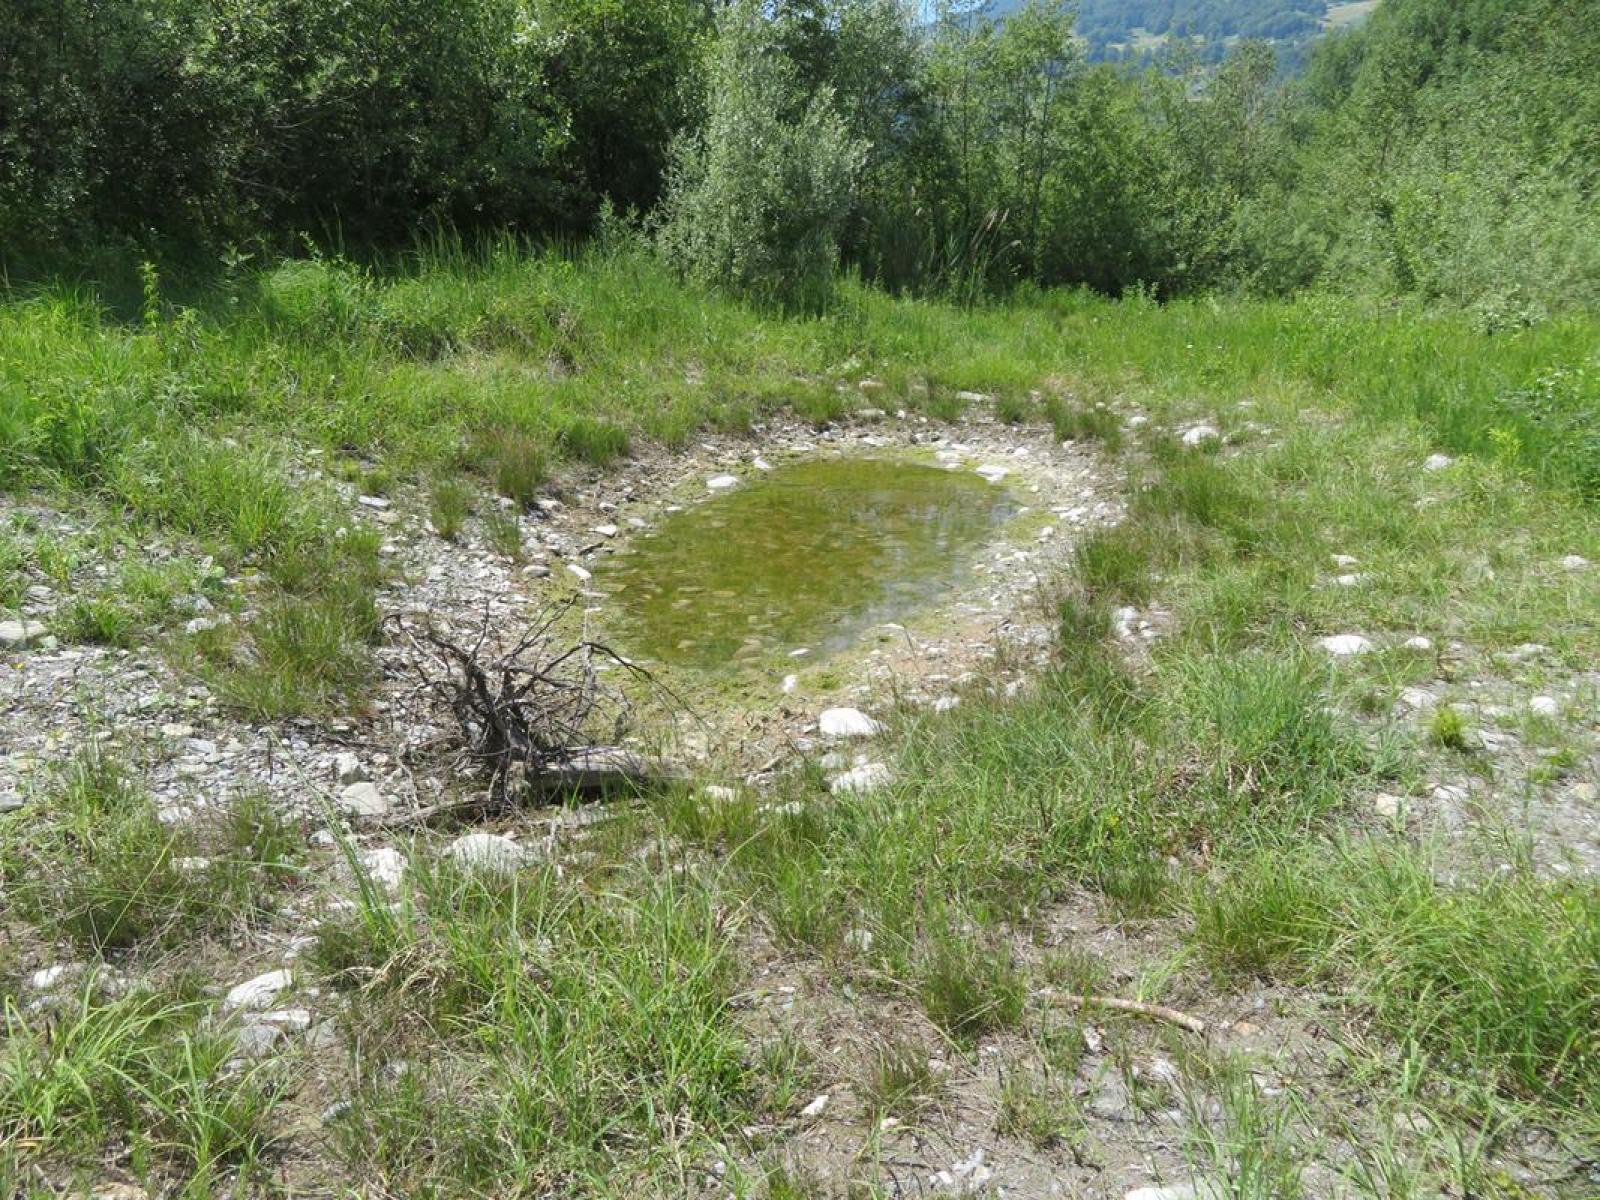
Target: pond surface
(805, 557)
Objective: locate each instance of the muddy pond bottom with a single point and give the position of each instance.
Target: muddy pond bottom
(805, 557)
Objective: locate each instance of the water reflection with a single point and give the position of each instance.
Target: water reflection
(807, 556)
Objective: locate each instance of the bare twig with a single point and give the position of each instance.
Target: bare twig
(526, 714)
(1153, 1012)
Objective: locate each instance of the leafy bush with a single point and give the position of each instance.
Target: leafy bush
(227, 120)
(758, 199)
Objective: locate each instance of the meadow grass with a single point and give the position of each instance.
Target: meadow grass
(551, 1026)
(144, 1071)
(567, 1029)
(135, 883)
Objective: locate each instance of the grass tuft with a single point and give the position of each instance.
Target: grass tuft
(594, 440)
(899, 1081)
(1448, 728)
(968, 989)
(1084, 423)
(517, 463)
(449, 503)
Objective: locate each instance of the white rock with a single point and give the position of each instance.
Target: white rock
(790, 683)
(261, 991)
(971, 397)
(377, 502)
(761, 464)
(1421, 644)
(1387, 806)
(1574, 562)
(363, 799)
(385, 866)
(608, 531)
(10, 801)
(816, 1108)
(946, 703)
(1197, 434)
(1342, 645)
(47, 977)
(868, 777)
(295, 1020)
(972, 1169)
(582, 575)
(347, 768)
(847, 722)
(1545, 706)
(721, 483)
(1345, 560)
(1417, 698)
(1199, 1189)
(257, 1039)
(716, 791)
(993, 473)
(1437, 462)
(489, 852)
(19, 633)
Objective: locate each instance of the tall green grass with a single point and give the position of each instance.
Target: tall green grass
(581, 351)
(555, 1035)
(1500, 976)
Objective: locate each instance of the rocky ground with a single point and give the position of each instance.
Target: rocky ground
(1148, 1098)
(199, 754)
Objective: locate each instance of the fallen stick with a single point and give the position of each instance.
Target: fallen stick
(594, 771)
(591, 772)
(1153, 1012)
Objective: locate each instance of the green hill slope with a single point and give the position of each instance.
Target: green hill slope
(1121, 30)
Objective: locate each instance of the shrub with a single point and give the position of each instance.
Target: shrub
(757, 201)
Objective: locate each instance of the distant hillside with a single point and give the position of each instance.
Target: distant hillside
(1131, 30)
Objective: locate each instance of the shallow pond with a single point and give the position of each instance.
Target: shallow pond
(805, 557)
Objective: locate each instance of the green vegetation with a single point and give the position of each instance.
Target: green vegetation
(1440, 150)
(1375, 285)
(136, 882)
(1239, 812)
(1110, 25)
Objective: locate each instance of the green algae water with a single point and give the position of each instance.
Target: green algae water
(805, 557)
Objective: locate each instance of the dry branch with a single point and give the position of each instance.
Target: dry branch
(1154, 1012)
(533, 716)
